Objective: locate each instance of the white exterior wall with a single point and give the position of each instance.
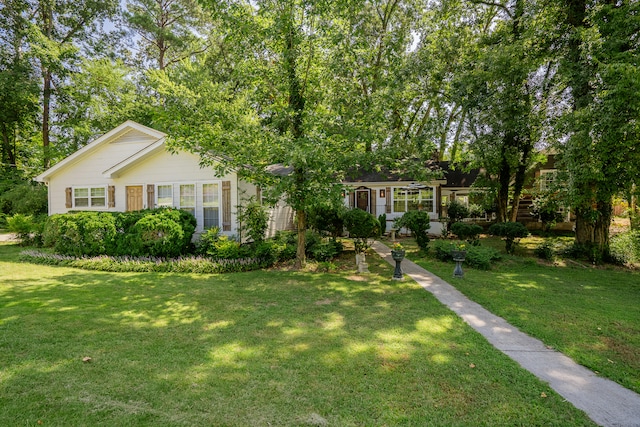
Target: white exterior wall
(381, 203)
(159, 168)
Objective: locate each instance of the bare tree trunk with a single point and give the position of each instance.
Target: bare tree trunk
(46, 108)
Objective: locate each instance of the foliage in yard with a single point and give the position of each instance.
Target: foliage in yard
(159, 232)
(625, 247)
(327, 219)
(254, 219)
(361, 226)
(28, 228)
(468, 232)
(456, 211)
(511, 233)
(255, 348)
(419, 222)
(479, 257)
(122, 264)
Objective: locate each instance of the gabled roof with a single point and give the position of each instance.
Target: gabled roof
(116, 170)
(124, 128)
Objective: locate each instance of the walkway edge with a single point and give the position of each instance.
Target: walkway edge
(604, 401)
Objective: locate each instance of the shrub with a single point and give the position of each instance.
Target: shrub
(361, 226)
(225, 248)
(481, 257)
(27, 227)
(545, 250)
(327, 219)
(477, 256)
(255, 220)
(157, 232)
(624, 248)
(382, 219)
(476, 211)
(456, 211)
(545, 208)
(326, 251)
(442, 250)
(468, 232)
(418, 222)
(511, 233)
(81, 233)
(207, 240)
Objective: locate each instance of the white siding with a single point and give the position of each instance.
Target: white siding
(159, 168)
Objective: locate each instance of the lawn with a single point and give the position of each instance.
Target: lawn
(275, 348)
(591, 314)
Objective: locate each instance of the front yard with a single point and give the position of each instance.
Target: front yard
(260, 348)
(591, 314)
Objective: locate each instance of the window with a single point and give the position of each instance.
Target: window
(210, 206)
(412, 199)
(90, 197)
(547, 178)
(165, 195)
(188, 198)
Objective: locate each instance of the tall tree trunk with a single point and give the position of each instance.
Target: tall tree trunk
(504, 179)
(592, 229)
(47, 24)
(521, 175)
(297, 105)
(8, 146)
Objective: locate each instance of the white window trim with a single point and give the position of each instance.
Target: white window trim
(89, 188)
(195, 194)
(542, 180)
(393, 200)
(157, 194)
(202, 207)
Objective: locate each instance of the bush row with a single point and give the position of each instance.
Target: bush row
(162, 232)
(189, 264)
(479, 257)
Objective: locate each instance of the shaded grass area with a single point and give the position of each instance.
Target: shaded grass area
(259, 348)
(590, 314)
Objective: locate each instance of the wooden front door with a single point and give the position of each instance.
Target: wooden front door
(362, 200)
(134, 198)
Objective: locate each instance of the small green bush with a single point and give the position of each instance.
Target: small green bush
(361, 226)
(624, 248)
(545, 250)
(419, 222)
(478, 257)
(81, 233)
(27, 227)
(456, 211)
(326, 251)
(207, 240)
(481, 257)
(511, 233)
(382, 219)
(254, 219)
(327, 219)
(468, 232)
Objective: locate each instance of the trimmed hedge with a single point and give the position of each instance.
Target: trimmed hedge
(164, 232)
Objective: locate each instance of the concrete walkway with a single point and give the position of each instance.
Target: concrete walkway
(605, 402)
(7, 237)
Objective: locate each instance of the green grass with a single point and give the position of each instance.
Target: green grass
(590, 314)
(260, 348)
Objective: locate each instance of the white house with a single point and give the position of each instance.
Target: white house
(387, 193)
(129, 168)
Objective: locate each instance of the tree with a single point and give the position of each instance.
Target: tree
(18, 82)
(504, 94)
(169, 30)
(600, 66)
(266, 95)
